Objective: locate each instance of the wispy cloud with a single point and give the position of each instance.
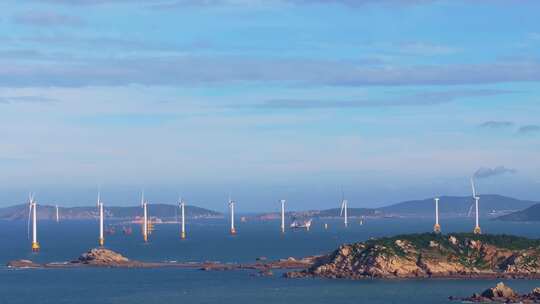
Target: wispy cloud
(180, 3)
(534, 36)
(419, 99)
(428, 49)
(46, 19)
(490, 172)
(360, 3)
(198, 70)
(529, 129)
(497, 124)
(25, 99)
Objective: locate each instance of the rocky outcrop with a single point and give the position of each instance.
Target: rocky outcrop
(502, 294)
(103, 257)
(100, 257)
(23, 264)
(499, 291)
(431, 255)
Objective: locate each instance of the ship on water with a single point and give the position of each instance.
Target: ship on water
(301, 224)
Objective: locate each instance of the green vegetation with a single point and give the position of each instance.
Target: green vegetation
(423, 240)
(443, 247)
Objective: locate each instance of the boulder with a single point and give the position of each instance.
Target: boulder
(499, 291)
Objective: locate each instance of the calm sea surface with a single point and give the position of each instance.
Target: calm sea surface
(208, 240)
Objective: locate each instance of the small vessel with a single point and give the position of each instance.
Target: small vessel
(297, 224)
(110, 230)
(127, 230)
(325, 226)
(361, 221)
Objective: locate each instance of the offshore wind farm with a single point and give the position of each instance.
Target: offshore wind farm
(269, 151)
(179, 215)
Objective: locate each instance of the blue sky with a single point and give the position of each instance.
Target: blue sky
(268, 99)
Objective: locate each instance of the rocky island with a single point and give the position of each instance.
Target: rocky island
(501, 294)
(427, 255)
(101, 257)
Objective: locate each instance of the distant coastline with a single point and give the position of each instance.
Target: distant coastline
(492, 206)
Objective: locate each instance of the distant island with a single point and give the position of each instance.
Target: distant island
(531, 214)
(161, 211)
(493, 206)
(428, 255)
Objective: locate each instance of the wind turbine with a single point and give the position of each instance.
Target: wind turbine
(437, 227)
(282, 216)
(476, 198)
(32, 212)
(101, 239)
(344, 209)
(144, 205)
(231, 207)
(182, 205)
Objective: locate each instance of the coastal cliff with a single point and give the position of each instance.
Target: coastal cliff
(431, 255)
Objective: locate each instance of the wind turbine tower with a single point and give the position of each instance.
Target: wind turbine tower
(231, 207)
(476, 198)
(182, 205)
(282, 216)
(32, 204)
(437, 227)
(101, 240)
(144, 205)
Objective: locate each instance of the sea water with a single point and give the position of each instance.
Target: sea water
(208, 240)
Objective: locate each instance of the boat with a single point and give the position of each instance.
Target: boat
(297, 224)
(110, 230)
(127, 230)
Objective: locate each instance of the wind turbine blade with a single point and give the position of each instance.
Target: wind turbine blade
(28, 220)
(342, 207)
(473, 188)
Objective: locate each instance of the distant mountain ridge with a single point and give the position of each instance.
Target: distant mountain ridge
(163, 211)
(531, 214)
(334, 212)
(490, 204)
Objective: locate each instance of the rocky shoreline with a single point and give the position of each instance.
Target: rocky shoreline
(100, 257)
(501, 294)
(429, 255)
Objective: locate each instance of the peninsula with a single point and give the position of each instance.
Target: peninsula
(427, 255)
